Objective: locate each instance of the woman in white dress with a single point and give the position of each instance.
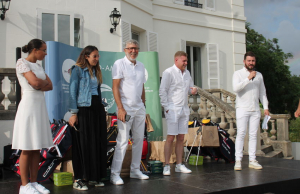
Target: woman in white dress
(32, 129)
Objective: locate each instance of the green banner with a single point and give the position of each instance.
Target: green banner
(153, 107)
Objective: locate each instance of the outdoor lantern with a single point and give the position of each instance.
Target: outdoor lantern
(115, 17)
(4, 7)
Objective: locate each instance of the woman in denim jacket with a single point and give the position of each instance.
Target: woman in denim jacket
(89, 120)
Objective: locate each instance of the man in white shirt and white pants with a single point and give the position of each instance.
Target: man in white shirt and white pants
(176, 84)
(128, 89)
(249, 87)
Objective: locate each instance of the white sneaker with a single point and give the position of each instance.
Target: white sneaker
(137, 174)
(166, 171)
(116, 180)
(40, 188)
(238, 165)
(254, 164)
(28, 189)
(79, 185)
(182, 168)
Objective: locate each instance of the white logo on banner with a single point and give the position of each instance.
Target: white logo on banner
(111, 99)
(66, 69)
(146, 74)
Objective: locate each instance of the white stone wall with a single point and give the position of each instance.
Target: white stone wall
(20, 24)
(296, 150)
(224, 27)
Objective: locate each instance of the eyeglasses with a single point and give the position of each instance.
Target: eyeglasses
(94, 56)
(133, 48)
(45, 51)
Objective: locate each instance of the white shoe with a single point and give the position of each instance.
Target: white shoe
(238, 165)
(40, 188)
(28, 189)
(137, 174)
(254, 164)
(166, 171)
(116, 180)
(97, 184)
(182, 168)
(79, 185)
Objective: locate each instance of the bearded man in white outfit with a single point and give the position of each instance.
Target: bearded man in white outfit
(249, 87)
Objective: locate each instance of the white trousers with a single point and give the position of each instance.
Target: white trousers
(243, 120)
(137, 126)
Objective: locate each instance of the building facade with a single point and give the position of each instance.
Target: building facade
(212, 32)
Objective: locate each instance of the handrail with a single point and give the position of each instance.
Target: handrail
(217, 101)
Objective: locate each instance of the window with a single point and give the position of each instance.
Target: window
(63, 27)
(135, 36)
(192, 3)
(194, 64)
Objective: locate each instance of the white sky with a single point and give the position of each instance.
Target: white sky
(278, 19)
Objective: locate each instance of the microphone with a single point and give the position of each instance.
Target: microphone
(254, 69)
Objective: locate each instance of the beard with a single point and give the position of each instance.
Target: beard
(130, 58)
(249, 68)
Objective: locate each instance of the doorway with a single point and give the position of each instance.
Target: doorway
(194, 64)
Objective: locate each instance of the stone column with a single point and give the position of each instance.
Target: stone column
(2, 95)
(12, 94)
(195, 108)
(282, 129)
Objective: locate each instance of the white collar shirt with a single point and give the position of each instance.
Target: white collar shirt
(132, 82)
(249, 92)
(174, 89)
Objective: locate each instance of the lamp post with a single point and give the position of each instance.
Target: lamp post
(115, 17)
(4, 6)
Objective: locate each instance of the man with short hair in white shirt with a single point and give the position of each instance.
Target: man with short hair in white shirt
(128, 88)
(250, 88)
(176, 84)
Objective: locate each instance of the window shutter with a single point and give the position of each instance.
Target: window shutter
(126, 32)
(213, 66)
(183, 45)
(152, 41)
(181, 2)
(210, 5)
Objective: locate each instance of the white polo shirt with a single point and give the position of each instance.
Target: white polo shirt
(174, 89)
(132, 82)
(248, 92)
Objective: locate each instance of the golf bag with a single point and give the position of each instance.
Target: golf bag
(226, 150)
(50, 157)
(112, 134)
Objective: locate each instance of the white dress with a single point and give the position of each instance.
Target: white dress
(32, 128)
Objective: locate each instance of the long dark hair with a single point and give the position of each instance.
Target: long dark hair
(83, 62)
(33, 44)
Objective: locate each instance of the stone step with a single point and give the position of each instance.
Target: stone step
(289, 158)
(274, 154)
(7, 114)
(267, 148)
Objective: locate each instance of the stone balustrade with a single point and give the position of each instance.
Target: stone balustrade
(9, 112)
(278, 134)
(219, 106)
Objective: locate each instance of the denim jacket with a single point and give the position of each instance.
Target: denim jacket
(80, 89)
